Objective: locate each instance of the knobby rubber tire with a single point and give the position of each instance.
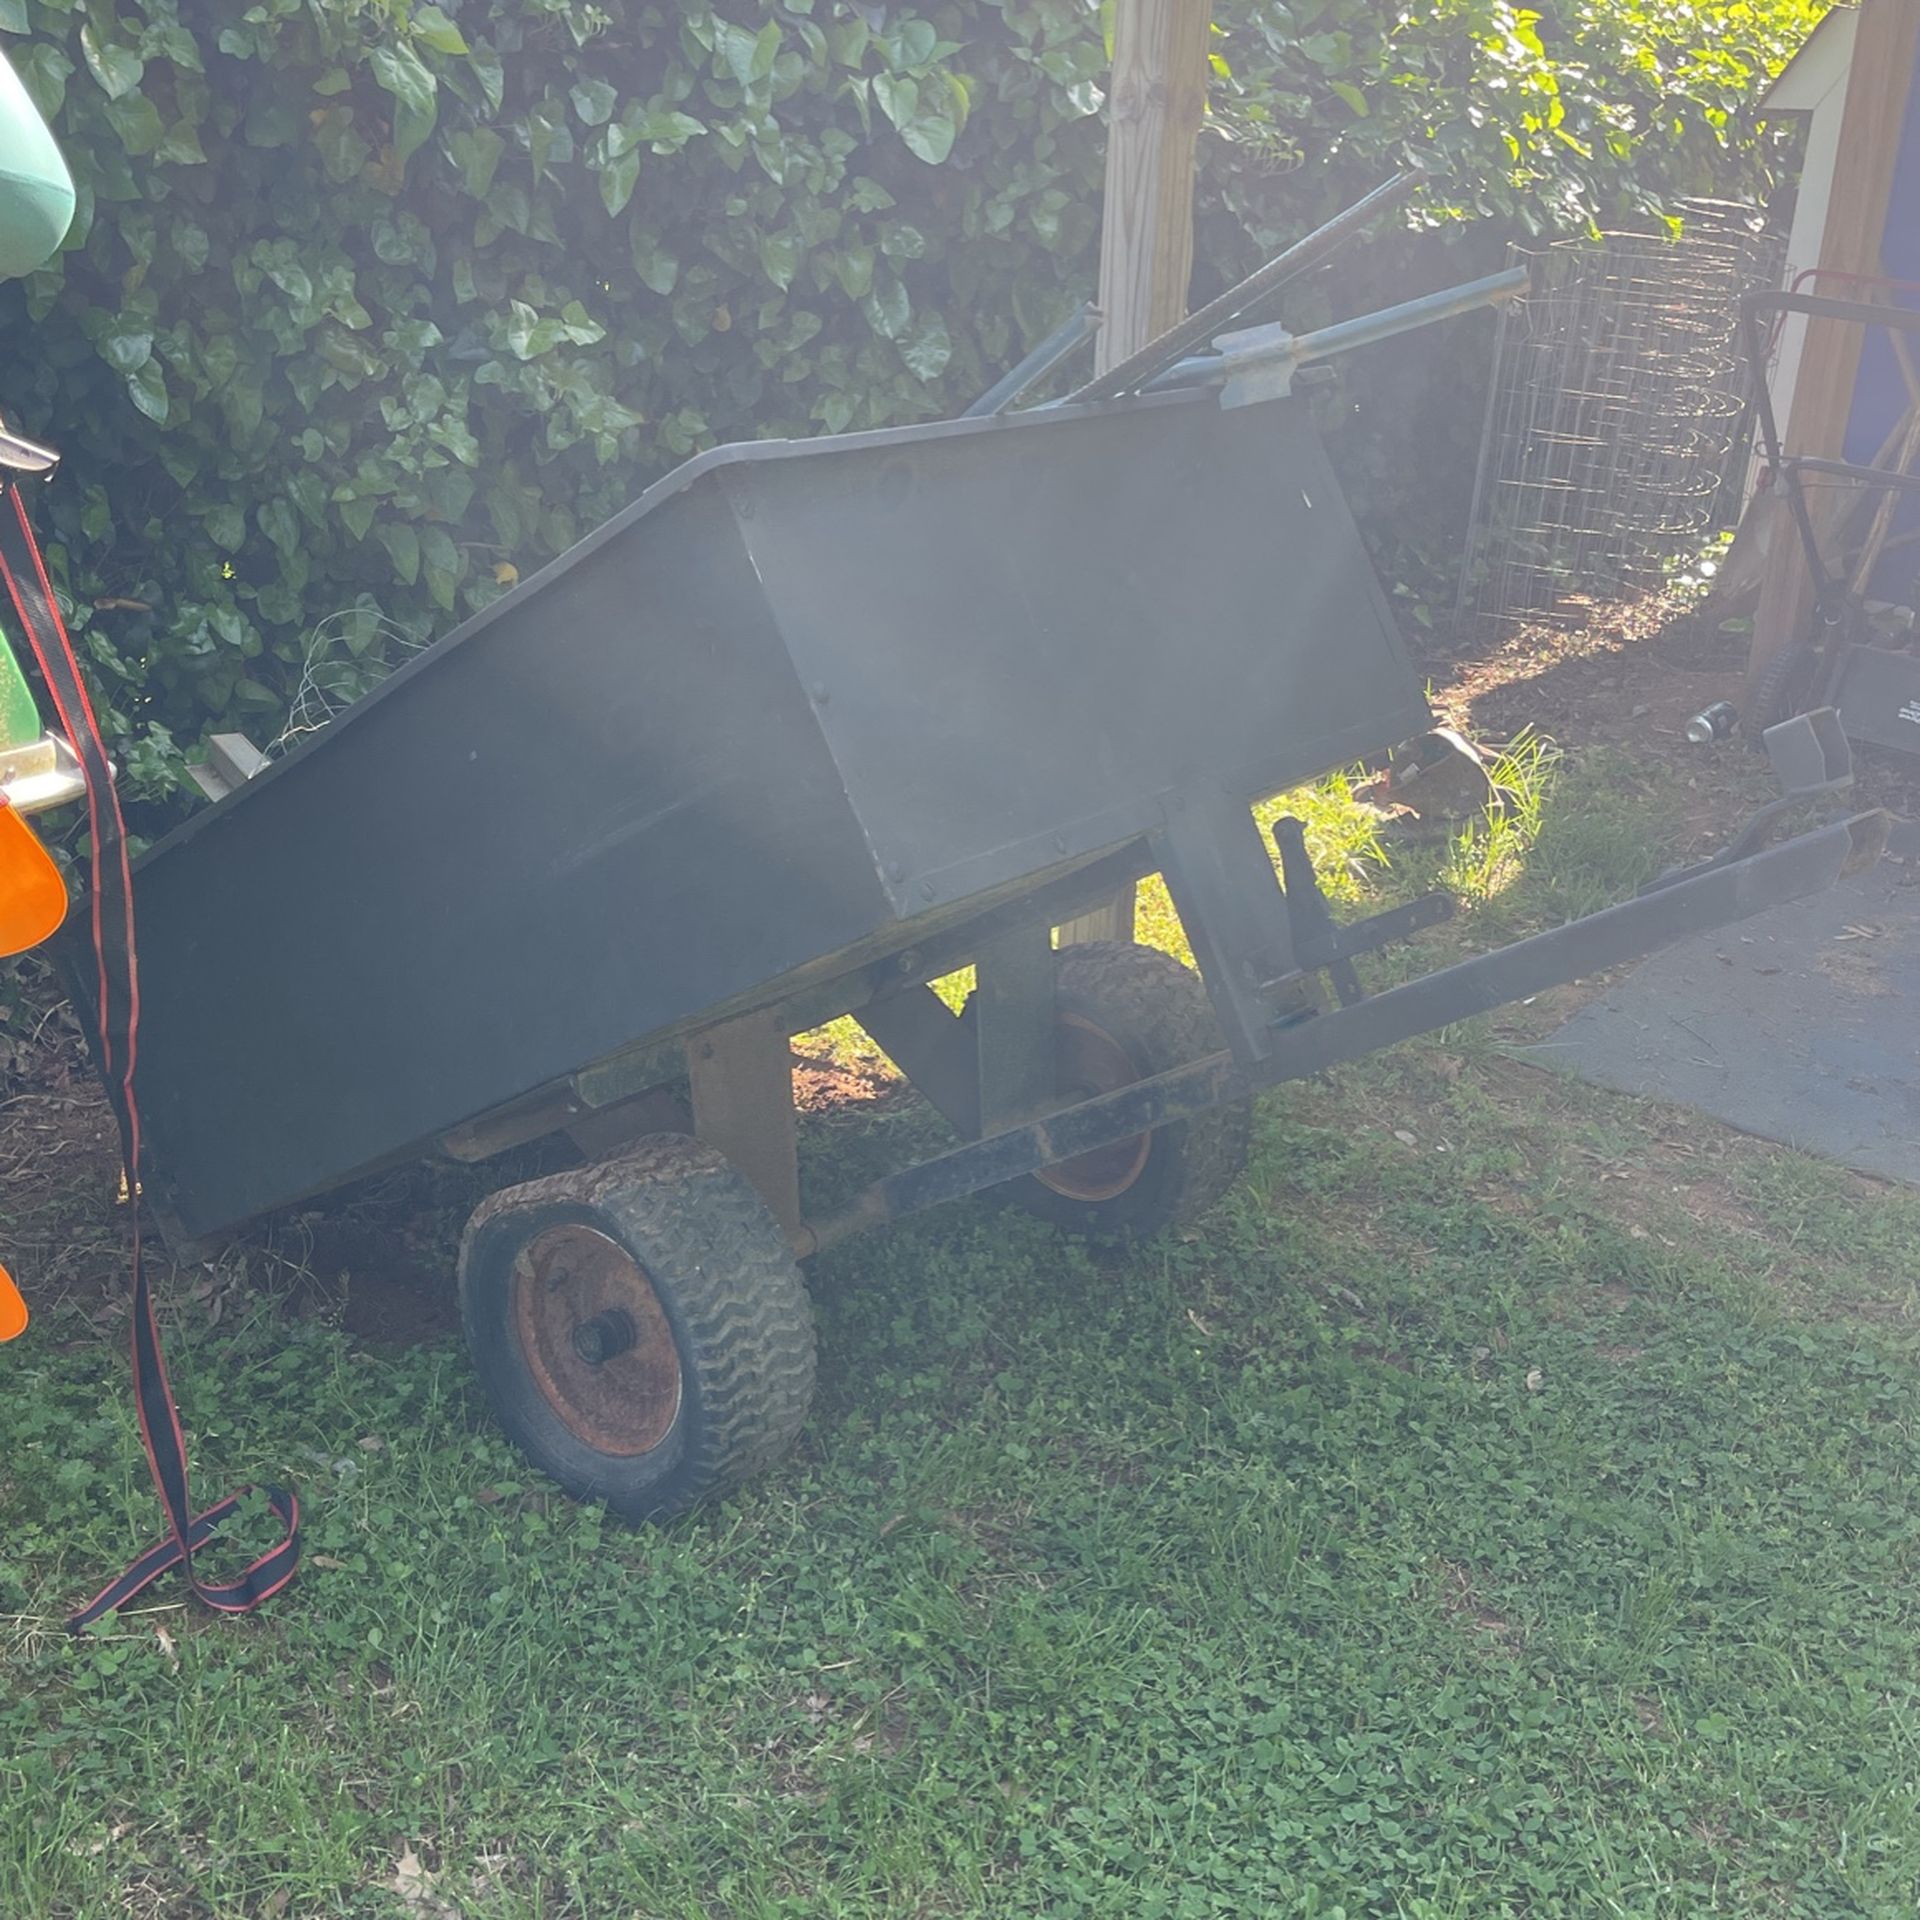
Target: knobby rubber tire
(1159, 1013)
(733, 1297)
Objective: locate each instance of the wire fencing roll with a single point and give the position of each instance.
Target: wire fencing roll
(1615, 416)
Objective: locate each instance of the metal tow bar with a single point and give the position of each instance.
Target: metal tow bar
(1713, 896)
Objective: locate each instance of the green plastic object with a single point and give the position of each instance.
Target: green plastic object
(36, 191)
(19, 720)
(36, 208)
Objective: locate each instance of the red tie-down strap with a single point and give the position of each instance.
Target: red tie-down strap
(117, 1031)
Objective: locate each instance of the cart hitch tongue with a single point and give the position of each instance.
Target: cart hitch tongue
(1812, 760)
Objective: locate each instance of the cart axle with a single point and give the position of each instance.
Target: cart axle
(606, 1336)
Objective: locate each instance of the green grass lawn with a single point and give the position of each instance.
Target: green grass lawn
(1508, 1504)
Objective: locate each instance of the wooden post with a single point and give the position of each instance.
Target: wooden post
(1878, 83)
(1156, 100)
(1155, 104)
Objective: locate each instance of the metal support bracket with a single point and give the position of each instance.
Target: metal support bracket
(995, 1067)
(1012, 1020)
(934, 1048)
(44, 773)
(1810, 754)
(1319, 942)
(1262, 363)
(742, 1077)
(1235, 915)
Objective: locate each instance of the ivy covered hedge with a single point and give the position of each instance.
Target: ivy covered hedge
(379, 304)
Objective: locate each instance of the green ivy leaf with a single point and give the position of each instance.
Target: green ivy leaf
(898, 96)
(736, 48)
(44, 71)
(476, 152)
(549, 138)
(594, 101)
(927, 347)
(779, 258)
(960, 93)
(118, 69)
(847, 41)
(618, 177)
(403, 548)
(443, 563)
(137, 121)
(190, 244)
(277, 522)
(657, 267)
(887, 307)
(853, 268)
(400, 72)
(342, 151)
(147, 388)
(916, 42)
(128, 347)
(484, 64)
(1351, 95)
(669, 132)
(181, 146)
(432, 28)
(226, 526)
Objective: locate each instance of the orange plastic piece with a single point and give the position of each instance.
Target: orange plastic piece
(13, 1309)
(33, 897)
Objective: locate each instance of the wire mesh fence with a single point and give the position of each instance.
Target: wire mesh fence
(1615, 415)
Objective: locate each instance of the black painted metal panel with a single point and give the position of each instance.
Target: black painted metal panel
(1076, 621)
(607, 811)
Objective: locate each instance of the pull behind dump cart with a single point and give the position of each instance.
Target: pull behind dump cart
(807, 727)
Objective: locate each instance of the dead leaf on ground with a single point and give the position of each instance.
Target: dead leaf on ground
(419, 1890)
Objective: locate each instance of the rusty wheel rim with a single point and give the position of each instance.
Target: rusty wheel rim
(1090, 1061)
(596, 1339)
